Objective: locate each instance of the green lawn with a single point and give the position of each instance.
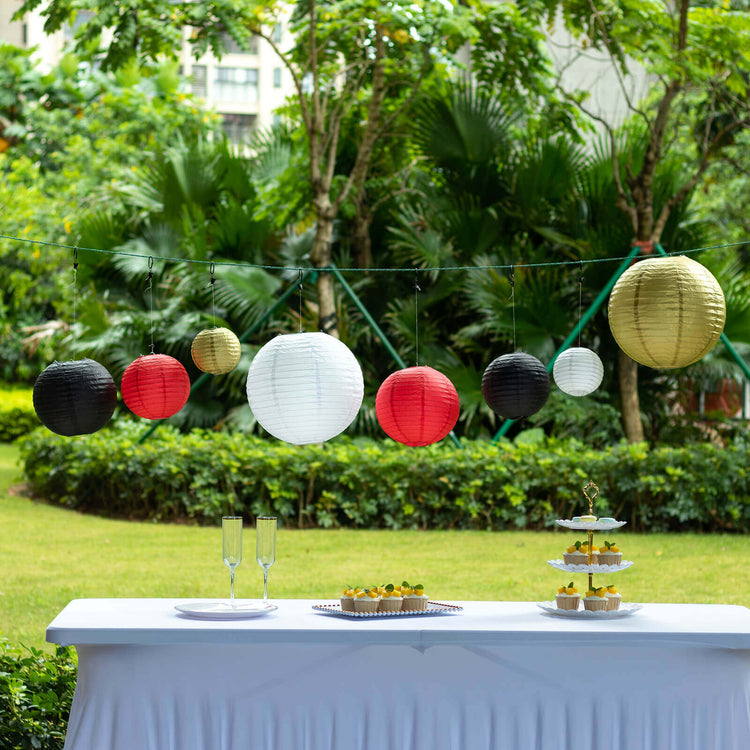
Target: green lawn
(49, 556)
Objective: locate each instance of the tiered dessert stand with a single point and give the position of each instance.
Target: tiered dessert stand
(590, 492)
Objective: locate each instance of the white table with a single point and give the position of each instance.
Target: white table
(498, 675)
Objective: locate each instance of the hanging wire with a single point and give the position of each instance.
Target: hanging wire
(417, 290)
(502, 267)
(212, 283)
(580, 300)
(75, 288)
(150, 291)
(299, 287)
(513, 303)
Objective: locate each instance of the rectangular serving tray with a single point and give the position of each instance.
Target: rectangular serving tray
(433, 608)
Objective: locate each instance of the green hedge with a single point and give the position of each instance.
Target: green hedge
(368, 484)
(17, 415)
(36, 691)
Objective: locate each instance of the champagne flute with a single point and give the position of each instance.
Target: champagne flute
(265, 547)
(231, 532)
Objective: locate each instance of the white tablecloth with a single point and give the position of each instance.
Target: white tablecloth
(499, 675)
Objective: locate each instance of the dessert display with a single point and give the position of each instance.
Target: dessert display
(586, 557)
(389, 600)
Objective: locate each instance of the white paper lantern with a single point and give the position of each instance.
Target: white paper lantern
(305, 387)
(578, 371)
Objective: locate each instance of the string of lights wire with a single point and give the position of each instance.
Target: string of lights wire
(410, 269)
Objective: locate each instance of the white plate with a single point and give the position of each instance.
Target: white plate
(224, 610)
(625, 611)
(590, 525)
(561, 565)
(433, 608)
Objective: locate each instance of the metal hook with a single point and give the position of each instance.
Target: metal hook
(299, 279)
(416, 280)
(75, 258)
(211, 270)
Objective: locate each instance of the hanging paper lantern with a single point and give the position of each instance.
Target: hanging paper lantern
(76, 397)
(417, 406)
(305, 387)
(216, 350)
(578, 371)
(667, 312)
(515, 385)
(155, 386)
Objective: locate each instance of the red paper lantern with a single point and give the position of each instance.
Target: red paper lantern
(417, 406)
(155, 386)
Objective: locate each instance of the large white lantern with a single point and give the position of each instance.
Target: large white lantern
(305, 387)
(578, 371)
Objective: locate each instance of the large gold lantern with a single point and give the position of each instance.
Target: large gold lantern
(667, 312)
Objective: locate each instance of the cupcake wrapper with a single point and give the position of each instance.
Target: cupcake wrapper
(366, 605)
(568, 602)
(595, 604)
(390, 605)
(613, 604)
(414, 605)
(347, 604)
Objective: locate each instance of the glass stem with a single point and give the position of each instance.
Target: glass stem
(231, 581)
(265, 585)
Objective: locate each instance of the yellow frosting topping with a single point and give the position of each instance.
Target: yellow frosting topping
(600, 592)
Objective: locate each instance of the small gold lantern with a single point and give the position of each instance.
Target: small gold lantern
(216, 350)
(667, 312)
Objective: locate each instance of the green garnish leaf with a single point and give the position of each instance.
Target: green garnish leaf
(389, 587)
(419, 586)
(405, 583)
(570, 585)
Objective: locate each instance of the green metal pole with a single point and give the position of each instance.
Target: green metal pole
(375, 327)
(245, 336)
(595, 305)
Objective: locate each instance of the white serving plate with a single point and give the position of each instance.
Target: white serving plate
(625, 610)
(590, 525)
(223, 610)
(433, 608)
(561, 565)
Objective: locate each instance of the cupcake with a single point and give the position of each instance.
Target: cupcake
(366, 600)
(578, 554)
(595, 600)
(390, 599)
(347, 599)
(610, 554)
(568, 597)
(588, 519)
(414, 599)
(613, 598)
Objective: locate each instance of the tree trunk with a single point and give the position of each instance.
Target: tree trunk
(630, 403)
(320, 256)
(361, 243)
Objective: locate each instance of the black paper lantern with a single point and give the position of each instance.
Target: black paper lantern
(515, 385)
(75, 397)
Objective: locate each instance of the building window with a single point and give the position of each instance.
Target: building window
(233, 48)
(277, 78)
(238, 128)
(277, 33)
(236, 85)
(198, 81)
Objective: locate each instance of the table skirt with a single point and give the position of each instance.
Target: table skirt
(397, 697)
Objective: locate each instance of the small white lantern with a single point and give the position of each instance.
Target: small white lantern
(305, 387)
(578, 371)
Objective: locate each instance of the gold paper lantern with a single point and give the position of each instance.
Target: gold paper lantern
(667, 312)
(216, 350)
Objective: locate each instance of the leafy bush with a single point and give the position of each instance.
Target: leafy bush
(17, 415)
(367, 484)
(36, 692)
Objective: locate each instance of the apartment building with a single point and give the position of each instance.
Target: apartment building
(245, 86)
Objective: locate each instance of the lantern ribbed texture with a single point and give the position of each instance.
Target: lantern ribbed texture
(515, 385)
(417, 406)
(667, 312)
(76, 397)
(155, 386)
(578, 371)
(305, 387)
(216, 350)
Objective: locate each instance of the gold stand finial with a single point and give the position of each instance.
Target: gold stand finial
(591, 497)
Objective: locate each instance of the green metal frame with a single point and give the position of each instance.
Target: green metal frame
(595, 305)
(312, 275)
